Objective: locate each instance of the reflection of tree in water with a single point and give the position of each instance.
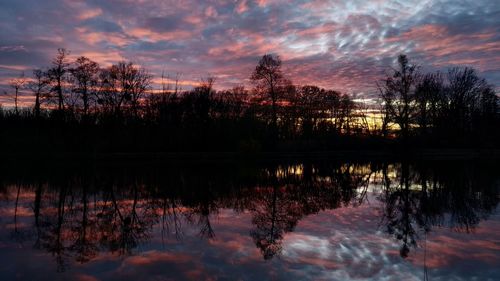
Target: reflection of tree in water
(83, 229)
(277, 207)
(76, 217)
(73, 220)
(274, 213)
(127, 218)
(443, 195)
(53, 235)
(401, 206)
(200, 214)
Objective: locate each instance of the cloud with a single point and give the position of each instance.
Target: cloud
(166, 24)
(345, 45)
(101, 25)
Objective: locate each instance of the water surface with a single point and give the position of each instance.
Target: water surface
(434, 220)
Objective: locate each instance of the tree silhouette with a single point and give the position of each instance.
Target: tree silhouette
(86, 75)
(116, 109)
(57, 75)
(398, 93)
(429, 95)
(269, 79)
(17, 84)
(39, 89)
(123, 83)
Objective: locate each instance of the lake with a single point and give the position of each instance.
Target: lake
(351, 220)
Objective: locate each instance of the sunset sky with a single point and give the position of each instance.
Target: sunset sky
(344, 45)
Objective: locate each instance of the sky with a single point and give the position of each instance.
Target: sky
(338, 44)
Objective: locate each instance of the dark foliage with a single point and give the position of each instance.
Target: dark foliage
(83, 108)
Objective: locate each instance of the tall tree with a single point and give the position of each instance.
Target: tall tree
(310, 104)
(86, 77)
(57, 75)
(465, 89)
(398, 94)
(124, 83)
(17, 84)
(429, 97)
(203, 99)
(268, 78)
(39, 88)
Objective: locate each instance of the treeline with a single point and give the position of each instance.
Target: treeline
(82, 107)
(453, 107)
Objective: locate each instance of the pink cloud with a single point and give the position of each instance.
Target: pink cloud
(241, 7)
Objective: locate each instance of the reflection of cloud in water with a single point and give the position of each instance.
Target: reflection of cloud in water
(353, 250)
(340, 244)
(310, 216)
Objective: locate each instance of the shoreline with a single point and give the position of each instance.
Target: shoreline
(197, 157)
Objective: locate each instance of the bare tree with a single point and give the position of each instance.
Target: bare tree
(429, 96)
(201, 100)
(465, 89)
(57, 75)
(39, 88)
(346, 116)
(140, 83)
(310, 108)
(17, 84)
(268, 78)
(170, 85)
(398, 94)
(124, 83)
(109, 95)
(331, 100)
(86, 78)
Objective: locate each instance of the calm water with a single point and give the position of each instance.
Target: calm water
(303, 221)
